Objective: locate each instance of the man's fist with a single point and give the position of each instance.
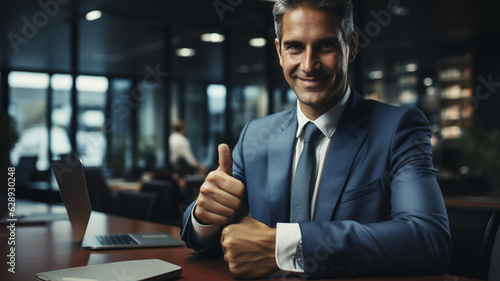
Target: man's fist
(249, 248)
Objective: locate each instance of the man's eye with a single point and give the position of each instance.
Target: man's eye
(294, 47)
(326, 45)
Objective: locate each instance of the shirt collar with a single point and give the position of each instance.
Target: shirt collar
(328, 121)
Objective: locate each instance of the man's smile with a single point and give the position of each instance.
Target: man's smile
(312, 81)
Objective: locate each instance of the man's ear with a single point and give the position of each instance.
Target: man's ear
(278, 50)
(353, 46)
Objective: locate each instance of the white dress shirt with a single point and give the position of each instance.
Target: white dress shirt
(288, 235)
(181, 148)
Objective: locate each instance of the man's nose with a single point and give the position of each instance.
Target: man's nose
(310, 62)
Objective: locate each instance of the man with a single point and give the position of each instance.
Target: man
(374, 206)
(181, 156)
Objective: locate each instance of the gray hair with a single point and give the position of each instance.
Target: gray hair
(344, 8)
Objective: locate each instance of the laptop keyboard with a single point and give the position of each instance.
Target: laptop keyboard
(116, 239)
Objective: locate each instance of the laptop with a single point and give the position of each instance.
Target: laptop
(73, 189)
(33, 218)
(150, 269)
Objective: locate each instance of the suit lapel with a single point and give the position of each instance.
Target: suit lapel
(280, 155)
(345, 144)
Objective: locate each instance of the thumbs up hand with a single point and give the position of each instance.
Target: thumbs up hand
(220, 195)
(225, 159)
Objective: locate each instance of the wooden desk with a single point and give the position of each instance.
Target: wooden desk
(50, 246)
(480, 202)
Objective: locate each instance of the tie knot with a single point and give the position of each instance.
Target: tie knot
(311, 133)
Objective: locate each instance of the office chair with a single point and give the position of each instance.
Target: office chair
(494, 272)
(100, 196)
(165, 209)
(193, 185)
(126, 204)
(25, 170)
(475, 239)
(133, 205)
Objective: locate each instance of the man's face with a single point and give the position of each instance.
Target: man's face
(314, 58)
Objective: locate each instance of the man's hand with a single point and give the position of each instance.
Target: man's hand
(220, 194)
(249, 248)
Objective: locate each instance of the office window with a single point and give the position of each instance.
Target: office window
(249, 102)
(277, 100)
(248, 73)
(28, 106)
(151, 120)
(61, 114)
(238, 113)
(216, 110)
(119, 158)
(255, 101)
(90, 135)
(204, 65)
(291, 98)
(195, 115)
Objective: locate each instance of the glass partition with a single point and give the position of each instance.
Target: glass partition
(28, 106)
(90, 135)
(61, 114)
(216, 113)
(151, 122)
(119, 158)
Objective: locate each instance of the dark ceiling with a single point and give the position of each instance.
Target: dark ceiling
(131, 35)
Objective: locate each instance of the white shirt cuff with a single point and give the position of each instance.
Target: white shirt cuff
(202, 232)
(288, 237)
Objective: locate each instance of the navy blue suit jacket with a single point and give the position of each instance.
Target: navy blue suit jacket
(380, 210)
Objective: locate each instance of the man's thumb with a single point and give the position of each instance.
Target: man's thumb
(225, 159)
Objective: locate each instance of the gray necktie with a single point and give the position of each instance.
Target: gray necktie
(300, 204)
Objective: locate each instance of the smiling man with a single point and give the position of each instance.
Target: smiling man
(315, 55)
(339, 186)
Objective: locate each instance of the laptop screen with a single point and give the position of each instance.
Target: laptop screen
(73, 189)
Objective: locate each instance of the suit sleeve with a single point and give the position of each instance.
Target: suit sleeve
(211, 248)
(416, 239)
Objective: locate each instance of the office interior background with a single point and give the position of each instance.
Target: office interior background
(106, 79)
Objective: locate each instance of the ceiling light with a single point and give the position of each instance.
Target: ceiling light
(185, 52)
(431, 91)
(257, 42)
(376, 74)
(408, 97)
(428, 82)
(93, 15)
(411, 67)
(212, 37)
